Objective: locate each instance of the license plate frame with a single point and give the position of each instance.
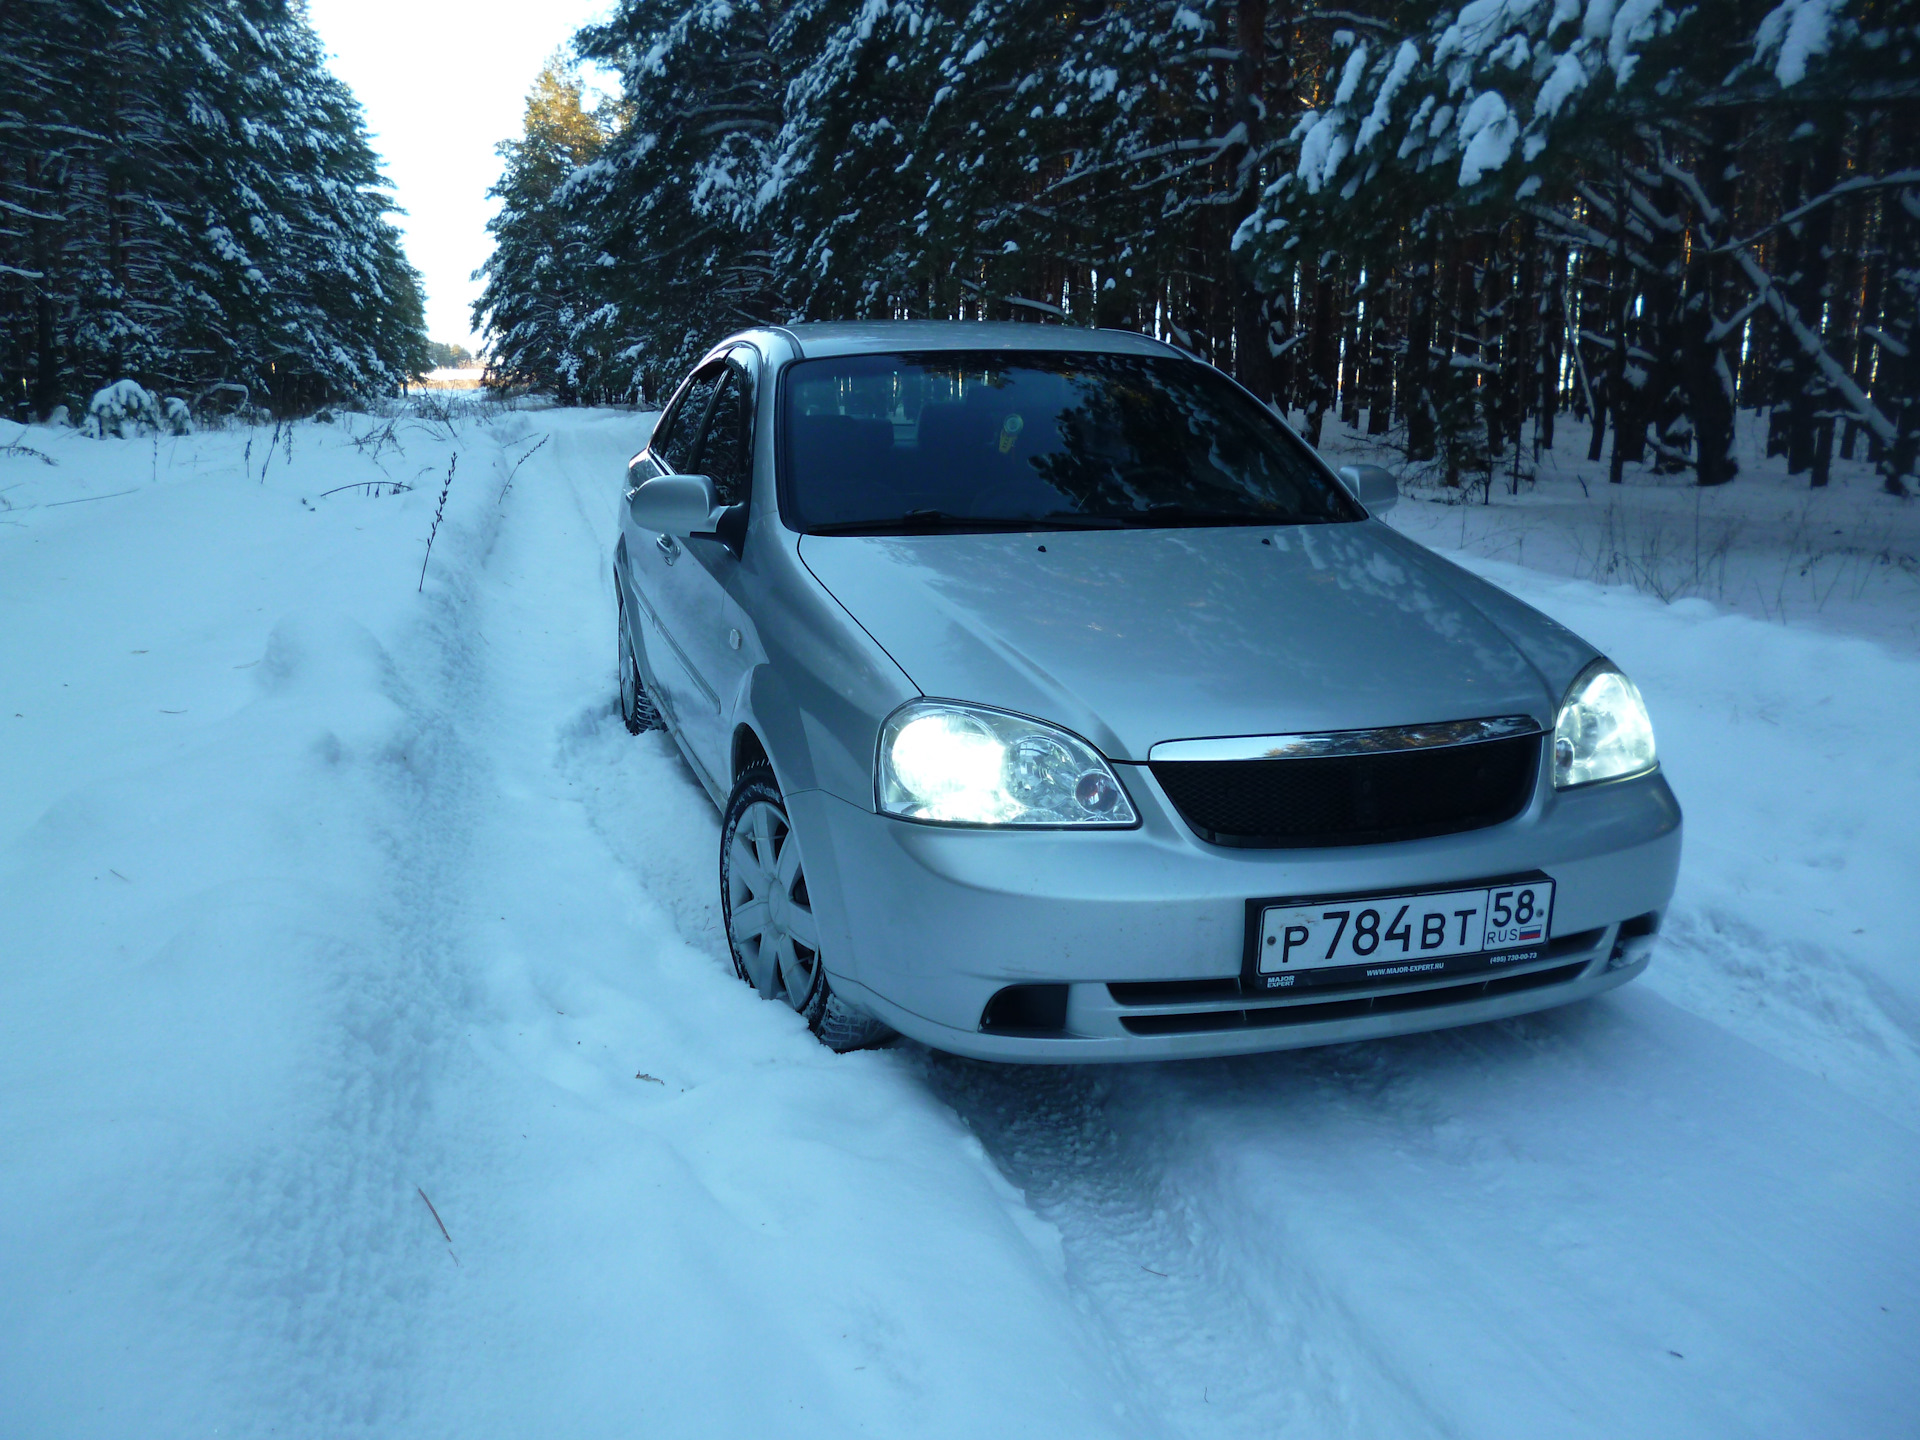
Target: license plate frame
(1343, 968)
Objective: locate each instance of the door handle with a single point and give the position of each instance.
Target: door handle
(668, 548)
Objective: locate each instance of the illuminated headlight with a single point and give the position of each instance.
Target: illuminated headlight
(966, 765)
(1603, 731)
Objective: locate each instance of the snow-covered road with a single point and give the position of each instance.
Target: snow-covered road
(322, 899)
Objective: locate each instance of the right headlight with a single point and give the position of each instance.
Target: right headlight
(1603, 731)
(969, 765)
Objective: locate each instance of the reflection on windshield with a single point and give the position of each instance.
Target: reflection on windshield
(975, 440)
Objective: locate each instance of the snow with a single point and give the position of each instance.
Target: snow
(1480, 25)
(1405, 57)
(1322, 149)
(126, 405)
(1635, 22)
(1350, 75)
(1844, 559)
(1487, 132)
(322, 894)
(1792, 35)
(1569, 75)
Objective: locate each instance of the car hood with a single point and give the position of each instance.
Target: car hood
(1131, 637)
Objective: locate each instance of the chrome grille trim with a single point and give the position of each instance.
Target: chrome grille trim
(1382, 741)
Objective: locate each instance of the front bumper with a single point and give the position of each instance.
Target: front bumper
(924, 925)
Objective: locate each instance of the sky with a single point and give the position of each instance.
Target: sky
(442, 85)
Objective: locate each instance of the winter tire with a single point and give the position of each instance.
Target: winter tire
(769, 917)
(636, 708)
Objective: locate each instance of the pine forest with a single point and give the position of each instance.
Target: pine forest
(1477, 230)
(188, 201)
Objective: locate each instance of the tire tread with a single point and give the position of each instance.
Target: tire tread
(838, 1025)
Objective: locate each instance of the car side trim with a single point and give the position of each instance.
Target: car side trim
(1346, 742)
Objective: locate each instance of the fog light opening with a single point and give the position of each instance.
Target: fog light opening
(1026, 1010)
(1634, 940)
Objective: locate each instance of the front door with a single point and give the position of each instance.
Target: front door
(687, 580)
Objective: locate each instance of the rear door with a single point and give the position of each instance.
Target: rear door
(696, 610)
(651, 557)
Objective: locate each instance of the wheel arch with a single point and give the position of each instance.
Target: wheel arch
(767, 725)
(747, 750)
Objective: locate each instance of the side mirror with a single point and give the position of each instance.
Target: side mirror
(1372, 486)
(675, 505)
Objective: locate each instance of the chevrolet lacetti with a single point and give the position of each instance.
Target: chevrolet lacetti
(1063, 705)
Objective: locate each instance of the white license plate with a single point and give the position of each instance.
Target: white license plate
(1391, 937)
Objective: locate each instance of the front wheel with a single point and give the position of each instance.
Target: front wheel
(771, 928)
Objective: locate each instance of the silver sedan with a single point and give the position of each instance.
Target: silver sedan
(1063, 705)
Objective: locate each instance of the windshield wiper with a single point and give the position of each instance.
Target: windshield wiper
(945, 522)
(1168, 514)
(914, 522)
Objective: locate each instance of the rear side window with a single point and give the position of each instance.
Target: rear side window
(674, 448)
(726, 447)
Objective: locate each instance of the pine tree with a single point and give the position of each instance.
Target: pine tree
(191, 202)
(670, 209)
(540, 279)
(1455, 217)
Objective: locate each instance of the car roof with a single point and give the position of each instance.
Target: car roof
(867, 337)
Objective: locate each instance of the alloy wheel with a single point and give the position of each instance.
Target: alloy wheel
(769, 915)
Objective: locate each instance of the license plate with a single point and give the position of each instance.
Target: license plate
(1377, 939)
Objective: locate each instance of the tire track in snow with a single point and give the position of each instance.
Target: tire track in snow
(1602, 1220)
(344, 1205)
(1216, 1346)
(595, 753)
(639, 802)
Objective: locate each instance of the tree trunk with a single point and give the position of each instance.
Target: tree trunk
(1897, 383)
(1379, 380)
(1523, 357)
(46, 370)
(1352, 344)
(1416, 364)
(1860, 304)
(1252, 350)
(1283, 331)
(1553, 333)
(1495, 328)
(1620, 299)
(1703, 363)
(1809, 440)
(1322, 360)
(1460, 320)
(1596, 392)
(1873, 265)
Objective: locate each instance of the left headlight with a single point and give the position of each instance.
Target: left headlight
(968, 765)
(1603, 731)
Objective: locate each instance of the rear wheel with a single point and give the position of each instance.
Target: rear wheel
(771, 928)
(636, 708)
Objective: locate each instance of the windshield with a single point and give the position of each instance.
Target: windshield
(977, 440)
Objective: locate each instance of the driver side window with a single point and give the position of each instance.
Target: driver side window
(675, 448)
(726, 449)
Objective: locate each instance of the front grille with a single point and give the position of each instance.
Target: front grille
(1199, 1022)
(1364, 799)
